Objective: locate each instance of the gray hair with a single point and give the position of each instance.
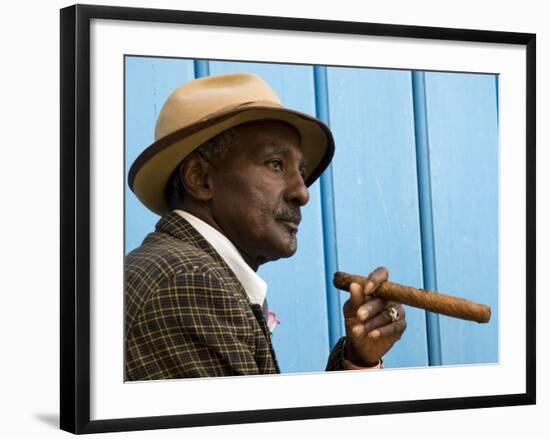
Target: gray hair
(215, 149)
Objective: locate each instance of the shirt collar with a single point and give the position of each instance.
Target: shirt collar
(254, 285)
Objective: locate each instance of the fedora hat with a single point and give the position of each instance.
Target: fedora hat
(205, 107)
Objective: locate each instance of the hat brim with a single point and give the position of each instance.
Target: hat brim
(151, 171)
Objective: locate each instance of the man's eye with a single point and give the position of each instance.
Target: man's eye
(276, 165)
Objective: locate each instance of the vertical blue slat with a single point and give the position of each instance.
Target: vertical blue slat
(496, 93)
(148, 82)
(425, 208)
(375, 187)
(463, 141)
(202, 68)
(327, 209)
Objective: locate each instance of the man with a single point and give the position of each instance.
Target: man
(229, 173)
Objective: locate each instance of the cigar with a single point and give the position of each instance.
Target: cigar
(429, 300)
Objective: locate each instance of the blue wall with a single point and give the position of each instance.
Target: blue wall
(413, 186)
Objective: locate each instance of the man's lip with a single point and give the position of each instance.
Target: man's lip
(293, 225)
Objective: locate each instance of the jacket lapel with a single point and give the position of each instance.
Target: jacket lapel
(177, 226)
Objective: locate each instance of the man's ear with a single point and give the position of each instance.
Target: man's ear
(196, 178)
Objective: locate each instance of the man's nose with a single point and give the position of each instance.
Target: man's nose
(297, 192)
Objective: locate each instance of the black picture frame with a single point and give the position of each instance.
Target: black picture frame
(75, 217)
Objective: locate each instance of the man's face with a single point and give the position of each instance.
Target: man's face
(258, 191)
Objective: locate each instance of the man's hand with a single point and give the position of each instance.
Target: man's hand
(370, 330)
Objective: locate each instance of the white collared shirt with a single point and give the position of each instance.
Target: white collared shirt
(254, 285)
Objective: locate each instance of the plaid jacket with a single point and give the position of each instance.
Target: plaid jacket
(187, 315)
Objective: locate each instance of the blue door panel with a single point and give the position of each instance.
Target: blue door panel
(375, 187)
(463, 142)
(148, 83)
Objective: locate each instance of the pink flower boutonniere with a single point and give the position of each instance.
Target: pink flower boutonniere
(272, 322)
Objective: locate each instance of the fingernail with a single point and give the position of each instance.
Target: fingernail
(369, 287)
(374, 334)
(362, 314)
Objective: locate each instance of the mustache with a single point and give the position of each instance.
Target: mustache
(288, 214)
